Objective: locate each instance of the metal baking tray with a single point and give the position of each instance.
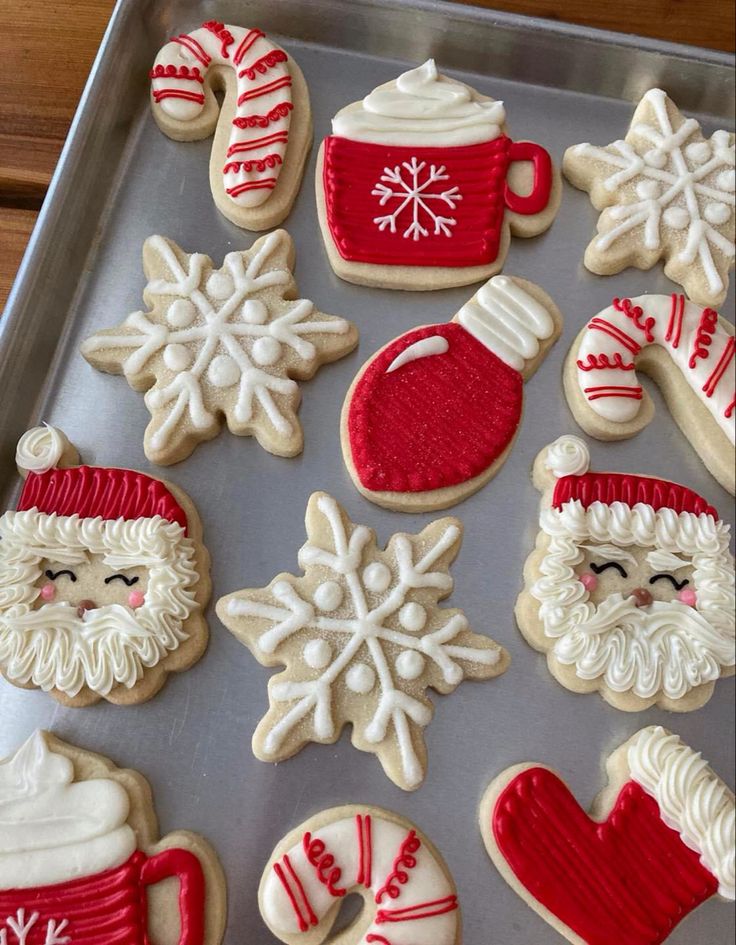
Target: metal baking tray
(120, 180)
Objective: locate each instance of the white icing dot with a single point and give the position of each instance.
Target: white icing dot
(698, 152)
(717, 213)
(360, 678)
(412, 617)
(255, 312)
(328, 596)
(177, 357)
(726, 180)
(223, 371)
(317, 654)
(648, 189)
(676, 217)
(220, 286)
(655, 158)
(377, 577)
(266, 350)
(181, 313)
(410, 664)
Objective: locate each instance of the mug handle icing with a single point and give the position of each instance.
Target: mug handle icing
(538, 198)
(184, 866)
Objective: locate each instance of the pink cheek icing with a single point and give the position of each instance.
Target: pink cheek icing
(48, 592)
(136, 599)
(688, 597)
(589, 581)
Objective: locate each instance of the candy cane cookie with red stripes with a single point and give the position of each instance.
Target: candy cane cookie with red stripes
(262, 132)
(409, 894)
(688, 350)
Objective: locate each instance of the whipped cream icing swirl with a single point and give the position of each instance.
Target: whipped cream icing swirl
(52, 829)
(421, 107)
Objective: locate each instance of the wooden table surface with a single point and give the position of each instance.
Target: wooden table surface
(37, 103)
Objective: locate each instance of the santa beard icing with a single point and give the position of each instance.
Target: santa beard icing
(50, 645)
(665, 647)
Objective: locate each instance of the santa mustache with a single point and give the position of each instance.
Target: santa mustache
(110, 619)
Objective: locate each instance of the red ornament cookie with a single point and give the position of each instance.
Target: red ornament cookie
(659, 841)
(433, 415)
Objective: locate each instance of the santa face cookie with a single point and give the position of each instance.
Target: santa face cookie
(81, 860)
(433, 415)
(418, 187)
(689, 351)
(263, 131)
(658, 842)
(103, 579)
(630, 589)
(666, 192)
(408, 891)
(362, 638)
(221, 343)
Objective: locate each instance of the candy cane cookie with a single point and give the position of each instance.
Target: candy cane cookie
(409, 894)
(264, 129)
(687, 349)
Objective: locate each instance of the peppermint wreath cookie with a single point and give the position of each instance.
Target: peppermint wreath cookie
(218, 344)
(82, 861)
(688, 350)
(419, 185)
(666, 192)
(103, 579)
(362, 637)
(407, 888)
(263, 131)
(433, 415)
(630, 589)
(658, 842)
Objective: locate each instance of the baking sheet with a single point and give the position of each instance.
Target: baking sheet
(120, 180)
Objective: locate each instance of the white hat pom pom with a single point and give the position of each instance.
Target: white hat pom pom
(567, 456)
(40, 449)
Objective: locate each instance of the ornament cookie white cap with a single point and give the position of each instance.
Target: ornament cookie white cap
(43, 448)
(567, 456)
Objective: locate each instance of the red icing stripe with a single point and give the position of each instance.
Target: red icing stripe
(267, 182)
(728, 412)
(160, 94)
(613, 390)
(300, 890)
(254, 143)
(172, 72)
(263, 64)
(303, 926)
(257, 164)
(191, 44)
(608, 328)
(423, 910)
(262, 121)
(265, 89)
(245, 45)
(365, 851)
(720, 369)
(601, 362)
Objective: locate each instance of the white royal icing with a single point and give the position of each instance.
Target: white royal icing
(420, 349)
(365, 848)
(673, 323)
(507, 320)
(52, 829)
(255, 152)
(692, 800)
(421, 107)
(567, 456)
(40, 449)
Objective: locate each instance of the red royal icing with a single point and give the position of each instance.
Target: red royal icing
(324, 864)
(620, 487)
(353, 169)
(703, 336)
(263, 64)
(626, 881)
(111, 906)
(436, 421)
(399, 875)
(222, 33)
(636, 314)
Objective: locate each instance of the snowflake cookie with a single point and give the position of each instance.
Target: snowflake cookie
(362, 638)
(666, 192)
(220, 343)
(81, 859)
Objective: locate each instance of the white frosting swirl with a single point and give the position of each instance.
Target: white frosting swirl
(421, 107)
(567, 456)
(692, 800)
(52, 829)
(40, 449)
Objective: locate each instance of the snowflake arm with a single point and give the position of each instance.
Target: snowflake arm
(409, 184)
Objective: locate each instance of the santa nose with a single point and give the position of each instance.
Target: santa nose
(84, 605)
(642, 597)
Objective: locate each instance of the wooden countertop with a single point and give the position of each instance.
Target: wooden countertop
(37, 103)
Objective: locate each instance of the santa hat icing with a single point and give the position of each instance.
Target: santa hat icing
(568, 459)
(87, 491)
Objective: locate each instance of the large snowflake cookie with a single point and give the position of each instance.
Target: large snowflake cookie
(263, 131)
(103, 579)
(630, 589)
(217, 343)
(362, 638)
(666, 192)
(657, 843)
(407, 889)
(81, 860)
(690, 352)
(420, 187)
(432, 416)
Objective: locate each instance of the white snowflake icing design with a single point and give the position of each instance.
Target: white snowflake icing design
(17, 928)
(666, 180)
(217, 341)
(409, 185)
(362, 638)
